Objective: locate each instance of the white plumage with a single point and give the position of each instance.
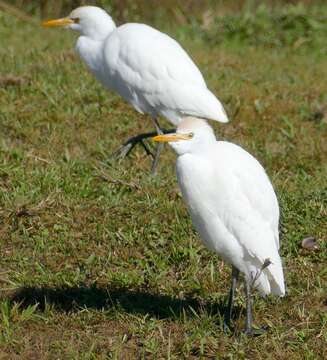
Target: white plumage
(231, 202)
(146, 67)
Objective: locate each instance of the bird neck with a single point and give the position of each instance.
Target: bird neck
(90, 51)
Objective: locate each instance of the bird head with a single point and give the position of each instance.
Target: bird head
(90, 21)
(192, 135)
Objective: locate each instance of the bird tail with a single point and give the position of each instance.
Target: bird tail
(201, 103)
(271, 279)
(214, 108)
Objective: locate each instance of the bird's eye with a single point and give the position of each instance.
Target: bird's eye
(76, 20)
(190, 135)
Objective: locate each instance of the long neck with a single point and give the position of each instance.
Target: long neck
(91, 52)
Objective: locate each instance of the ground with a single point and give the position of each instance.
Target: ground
(100, 259)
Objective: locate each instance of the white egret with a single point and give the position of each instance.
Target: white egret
(146, 67)
(233, 207)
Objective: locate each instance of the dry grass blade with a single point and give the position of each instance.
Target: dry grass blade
(13, 10)
(100, 173)
(11, 80)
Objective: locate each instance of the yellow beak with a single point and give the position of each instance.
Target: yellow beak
(58, 22)
(171, 137)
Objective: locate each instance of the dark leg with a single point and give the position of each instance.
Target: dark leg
(128, 146)
(158, 150)
(229, 307)
(248, 323)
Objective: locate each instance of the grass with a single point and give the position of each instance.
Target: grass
(101, 261)
(290, 25)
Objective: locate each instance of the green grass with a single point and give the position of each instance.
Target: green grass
(101, 261)
(291, 25)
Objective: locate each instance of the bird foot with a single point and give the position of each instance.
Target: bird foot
(227, 329)
(254, 331)
(129, 145)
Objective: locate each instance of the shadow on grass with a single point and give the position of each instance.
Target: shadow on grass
(135, 302)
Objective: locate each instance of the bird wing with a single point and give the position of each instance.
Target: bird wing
(252, 229)
(263, 199)
(147, 66)
(253, 189)
(251, 212)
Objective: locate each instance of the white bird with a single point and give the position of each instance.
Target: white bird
(146, 67)
(233, 207)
